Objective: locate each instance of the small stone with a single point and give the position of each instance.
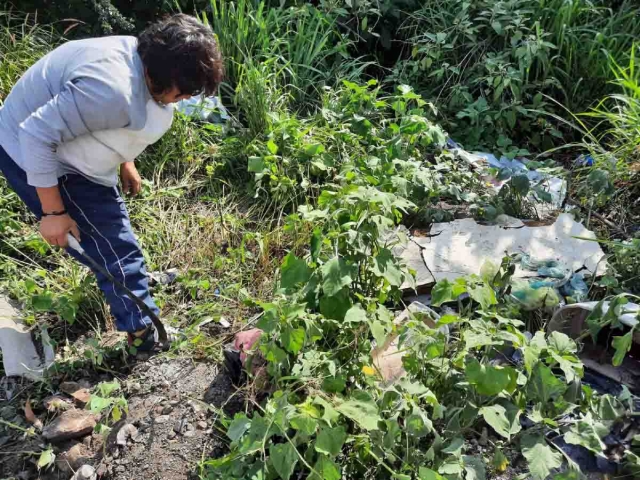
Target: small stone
(167, 410)
(163, 419)
(71, 424)
(202, 425)
(127, 432)
(172, 435)
(73, 458)
(173, 403)
(102, 470)
(189, 433)
(165, 384)
(134, 387)
(78, 392)
(180, 426)
(86, 472)
(120, 469)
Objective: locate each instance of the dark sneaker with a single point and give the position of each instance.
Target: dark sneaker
(150, 343)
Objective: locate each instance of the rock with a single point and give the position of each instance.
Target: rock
(121, 469)
(78, 392)
(202, 425)
(125, 433)
(167, 410)
(102, 470)
(163, 419)
(86, 472)
(173, 403)
(189, 433)
(180, 426)
(74, 457)
(172, 435)
(71, 424)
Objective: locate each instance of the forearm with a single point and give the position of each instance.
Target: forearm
(50, 199)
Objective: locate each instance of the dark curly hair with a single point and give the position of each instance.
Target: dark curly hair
(181, 52)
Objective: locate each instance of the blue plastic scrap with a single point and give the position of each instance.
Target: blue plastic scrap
(207, 109)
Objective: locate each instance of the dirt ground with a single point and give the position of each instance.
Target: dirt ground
(173, 404)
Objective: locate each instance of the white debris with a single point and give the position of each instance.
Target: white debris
(461, 247)
(19, 354)
(570, 319)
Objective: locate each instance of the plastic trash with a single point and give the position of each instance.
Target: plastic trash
(584, 161)
(576, 288)
(534, 298)
(208, 109)
(570, 319)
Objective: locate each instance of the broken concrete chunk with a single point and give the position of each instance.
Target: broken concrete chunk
(71, 424)
(461, 247)
(19, 355)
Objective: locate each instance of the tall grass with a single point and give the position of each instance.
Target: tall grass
(22, 43)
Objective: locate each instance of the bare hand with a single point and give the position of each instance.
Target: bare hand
(130, 179)
(54, 229)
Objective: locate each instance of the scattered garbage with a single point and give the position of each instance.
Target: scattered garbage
(20, 355)
(570, 319)
(86, 472)
(166, 277)
(461, 247)
(207, 109)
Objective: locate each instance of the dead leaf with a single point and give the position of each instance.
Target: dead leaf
(30, 416)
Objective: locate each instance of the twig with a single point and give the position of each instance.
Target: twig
(607, 222)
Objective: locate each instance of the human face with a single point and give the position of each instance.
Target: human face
(171, 95)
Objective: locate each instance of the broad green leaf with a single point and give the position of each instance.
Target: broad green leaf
(385, 265)
(417, 424)
(314, 149)
(583, 433)
(489, 380)
(571, 366)
(330, 441)
(544, 385)
(475, 339)
(272, 147)
(533, 350)
(474, 468)
(294, 271)
(609, 408)
(621, 345)
(484, 295)
(356, 314)
(293, 339)
(238, 427)
(378, 332)
(325, 469)
(256, 165)
(505, 423)
(455, 447)
(449, 318)
(442, 292)
(42, 303)
(330, 415)
(540, 457)
(47, 457)
(335, 307)
(283, 457)
(562, 343)
(363, 411)
(428, 474)
(336, 274)
(304, 424)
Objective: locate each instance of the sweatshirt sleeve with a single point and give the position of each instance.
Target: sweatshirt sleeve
(85, 104)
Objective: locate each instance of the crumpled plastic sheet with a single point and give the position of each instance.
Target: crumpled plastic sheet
(207, 109)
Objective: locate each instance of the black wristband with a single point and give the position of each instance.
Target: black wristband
(57, 213)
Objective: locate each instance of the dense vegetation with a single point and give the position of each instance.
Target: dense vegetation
(342, 113)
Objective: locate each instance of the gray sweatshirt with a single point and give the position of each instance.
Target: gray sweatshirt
(83, 108)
